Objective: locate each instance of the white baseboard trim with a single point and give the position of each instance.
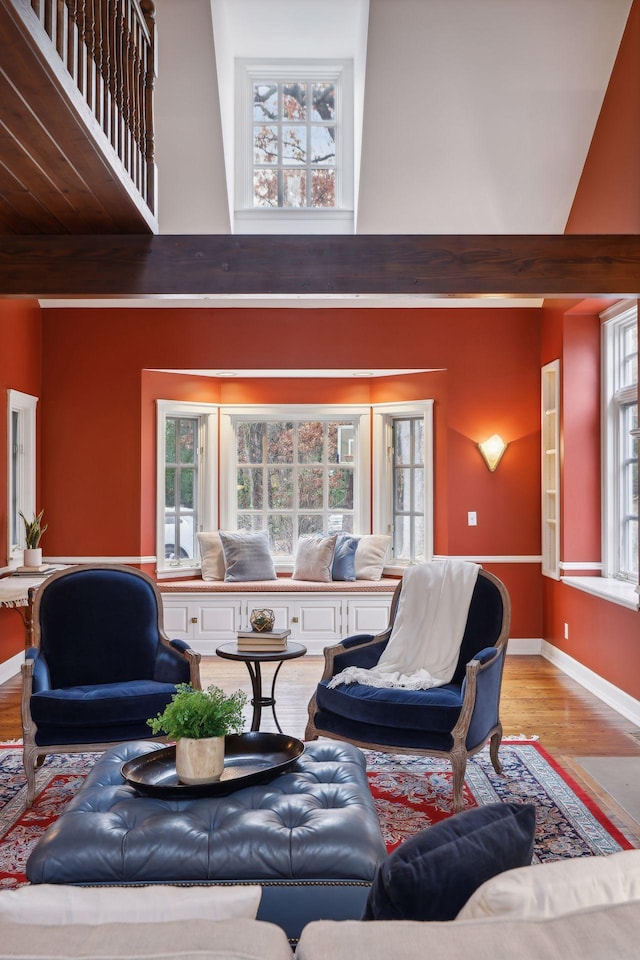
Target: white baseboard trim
(524, 646)
(9, 668)
(620, 701)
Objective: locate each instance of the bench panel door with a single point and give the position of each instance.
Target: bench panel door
(368, 614)
(218, 618)
(318, 619)
(177, 618)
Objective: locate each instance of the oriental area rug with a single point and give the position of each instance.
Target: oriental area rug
(410, 794)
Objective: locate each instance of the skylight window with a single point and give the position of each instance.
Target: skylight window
(294, 146)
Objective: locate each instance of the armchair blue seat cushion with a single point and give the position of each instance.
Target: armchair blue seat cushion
(435, 710)
(432, 875)
(91, 713)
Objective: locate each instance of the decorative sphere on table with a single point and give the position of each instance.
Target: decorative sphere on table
(262, 620)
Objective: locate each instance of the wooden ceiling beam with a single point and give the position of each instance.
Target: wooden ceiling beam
(426, 266)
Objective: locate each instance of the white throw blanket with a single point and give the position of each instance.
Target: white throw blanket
(427, 633)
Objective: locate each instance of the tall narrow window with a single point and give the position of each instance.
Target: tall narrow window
(403, 479)
(181, 487)
(408, 488)
(21, 462)
(187, 489)
(620, 433)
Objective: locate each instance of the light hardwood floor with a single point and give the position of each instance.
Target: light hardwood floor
(537, 700)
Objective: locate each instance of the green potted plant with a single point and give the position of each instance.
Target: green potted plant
(199, 720)
(33, 533)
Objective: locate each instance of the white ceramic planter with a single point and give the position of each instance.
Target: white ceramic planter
(32, 557)
(199, 761)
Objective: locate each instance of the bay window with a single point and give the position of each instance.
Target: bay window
(294, 471)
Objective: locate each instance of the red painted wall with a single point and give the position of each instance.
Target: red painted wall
(99, 415)
(608, 196)
(603, 635)
(19, 370)
(580, 482)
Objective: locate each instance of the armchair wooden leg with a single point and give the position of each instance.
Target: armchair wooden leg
(496, 740)
(310, 732)
(459, 765)
(30, 761)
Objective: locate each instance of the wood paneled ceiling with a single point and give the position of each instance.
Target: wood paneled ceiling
(58, 172)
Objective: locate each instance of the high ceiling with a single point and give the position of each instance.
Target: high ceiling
(472, 116)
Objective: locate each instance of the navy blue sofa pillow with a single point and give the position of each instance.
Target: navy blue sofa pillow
(432, 875)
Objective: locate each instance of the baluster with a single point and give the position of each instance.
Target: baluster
(126, 90)
(148, 9)
(58, 16)
(135, 74)
(98, 51)
(81, 72)
(50, 20)
(120, 56)
(90, 42)
(105, 67)
(142, 51)
(113, 73)
(71, 61)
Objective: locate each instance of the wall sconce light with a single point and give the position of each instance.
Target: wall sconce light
(492, 451)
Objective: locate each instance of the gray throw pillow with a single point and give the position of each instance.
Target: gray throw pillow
(314, 558)
(247, 556)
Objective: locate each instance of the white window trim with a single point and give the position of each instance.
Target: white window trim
(208, 474)
(383, 414)
(618, 313)
(362, 491)
(25, 405)
(249, 219)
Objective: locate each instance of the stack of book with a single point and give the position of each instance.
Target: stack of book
(267, 641)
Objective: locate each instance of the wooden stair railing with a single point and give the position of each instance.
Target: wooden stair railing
(108, 49)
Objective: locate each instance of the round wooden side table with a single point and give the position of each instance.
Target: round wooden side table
(252, 660)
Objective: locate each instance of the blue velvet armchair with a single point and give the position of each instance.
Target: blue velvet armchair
(454, 721)
(101, 664)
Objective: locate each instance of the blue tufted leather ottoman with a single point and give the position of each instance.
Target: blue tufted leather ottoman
(311, 837)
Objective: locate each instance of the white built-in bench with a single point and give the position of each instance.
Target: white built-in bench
(207, 613)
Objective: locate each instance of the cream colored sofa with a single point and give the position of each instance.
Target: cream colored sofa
(607, 933)
(587, 909)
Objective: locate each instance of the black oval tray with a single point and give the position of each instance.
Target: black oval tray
(248, 758)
